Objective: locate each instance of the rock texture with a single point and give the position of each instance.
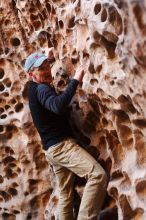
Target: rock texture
(108, 113)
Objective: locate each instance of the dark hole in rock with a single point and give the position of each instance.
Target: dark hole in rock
(137, 9)
(1, 128)
(29, 216)
(2, 61)
(2, 87)
(7, 21)
(9, 150)
(18, 107)
(109, 46)
(12, 165)
(7, 50)
(53, 11)
(128, 212)
(8, 159)
(26, 193)
(5, 195)
(117, 175)
(104, 122)
(74, 52)
(116, 20)
(104, 15)
(126, 104)
(114, 192)
(14, 184)
(50, 43)
(93, 81)
(13, 101)
(97, 36)
(1, 179)
(7, 107)
(3, 116)
(123, 99)
(10, 127)
(91, 68)
(33, 17)
(141, 188)
(2, 73)
(71, 22)
(16, 211)
(15, 41)
(94, 46)
(61, 25)
(1, 110)
(141, 123)
(74, 61)
(108, 163)
(112, 82)
(13, 191)
(25, 90)
(10, 174)
(7, 216)
(32, 8)
(6, 94)
(7, 82)
(64, 75)
(131, 90)
(90, 122)
(85, 54)
(33, 181)
(48, 6)
(97, 8)
(37, 25)
(11, 112)
(98, 68)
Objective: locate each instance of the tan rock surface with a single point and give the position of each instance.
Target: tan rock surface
(109, 39)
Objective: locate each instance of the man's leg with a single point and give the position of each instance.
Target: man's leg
(79, 161)
(65, 179)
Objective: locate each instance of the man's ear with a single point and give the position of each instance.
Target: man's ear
(30, 74)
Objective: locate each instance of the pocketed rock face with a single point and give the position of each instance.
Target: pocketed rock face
(109, 39)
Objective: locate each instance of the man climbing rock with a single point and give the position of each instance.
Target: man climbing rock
(48, 110)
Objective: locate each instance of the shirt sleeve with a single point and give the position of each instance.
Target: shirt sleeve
(53, 102)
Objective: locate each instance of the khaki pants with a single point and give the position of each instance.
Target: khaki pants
(68, 159)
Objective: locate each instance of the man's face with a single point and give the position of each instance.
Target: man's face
(42, 74)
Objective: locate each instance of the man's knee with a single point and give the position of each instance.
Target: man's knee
(103, 178)
(100, 176)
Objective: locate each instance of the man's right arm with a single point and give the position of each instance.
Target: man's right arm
(58, 103)
(53, 102)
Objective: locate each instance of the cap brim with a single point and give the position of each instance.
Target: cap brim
(39, 61)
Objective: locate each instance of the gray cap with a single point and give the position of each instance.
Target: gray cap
(34, 60)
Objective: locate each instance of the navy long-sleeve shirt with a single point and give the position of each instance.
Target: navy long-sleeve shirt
(49, 111)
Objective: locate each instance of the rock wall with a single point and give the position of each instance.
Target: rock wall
(108, 113)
